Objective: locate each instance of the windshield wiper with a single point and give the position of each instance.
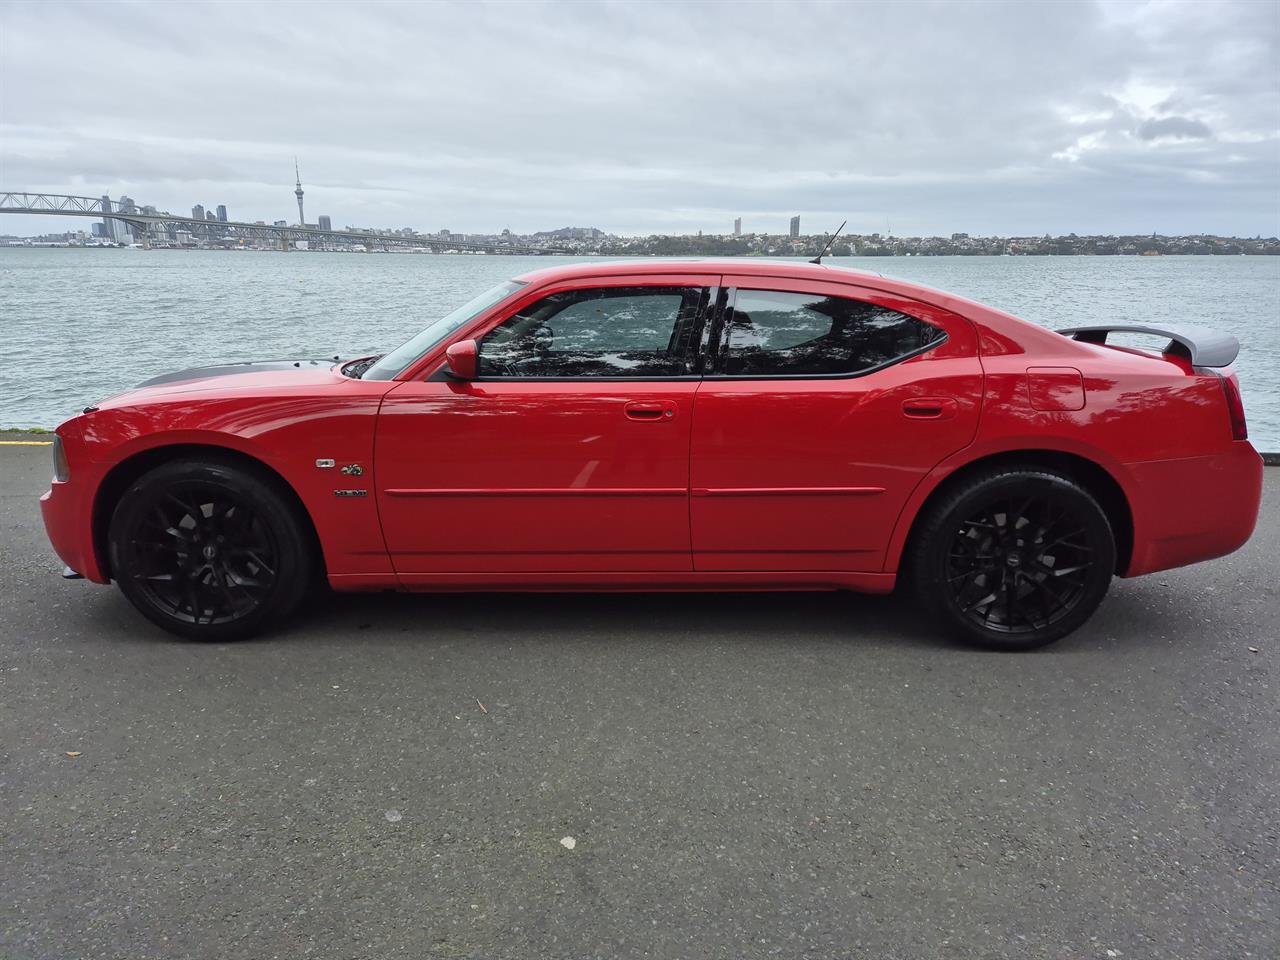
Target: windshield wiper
(355, 370)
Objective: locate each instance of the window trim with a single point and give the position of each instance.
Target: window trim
(693, 340)
(718, 344)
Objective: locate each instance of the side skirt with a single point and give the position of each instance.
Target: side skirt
(679, 581)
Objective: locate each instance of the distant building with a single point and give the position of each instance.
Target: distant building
(125, 232)
(197, 212)
(279, 223)
(737, 227)
(795, 226)
(325, 222)
(959, 236)
(108, 225)
(222, 213)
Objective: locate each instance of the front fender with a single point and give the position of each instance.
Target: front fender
(305, 441)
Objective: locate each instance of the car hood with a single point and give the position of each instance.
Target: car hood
(235, 369)
(251, 376)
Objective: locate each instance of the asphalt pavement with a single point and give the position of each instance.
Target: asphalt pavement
(662, 776)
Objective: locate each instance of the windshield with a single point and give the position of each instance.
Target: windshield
(394, 363)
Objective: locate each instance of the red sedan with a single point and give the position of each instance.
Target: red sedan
(736, 425)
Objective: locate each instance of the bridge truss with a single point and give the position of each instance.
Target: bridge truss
(153, 227)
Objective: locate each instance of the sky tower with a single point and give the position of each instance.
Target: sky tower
(302, 221)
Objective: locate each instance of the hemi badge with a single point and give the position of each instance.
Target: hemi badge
(325, 463)
(351, 493)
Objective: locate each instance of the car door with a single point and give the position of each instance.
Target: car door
(823, 406)
(570, 451)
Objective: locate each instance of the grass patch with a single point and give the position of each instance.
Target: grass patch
(34, 431)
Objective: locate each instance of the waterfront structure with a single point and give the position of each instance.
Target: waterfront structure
(737, 226)
(302, 220)
(795, 227)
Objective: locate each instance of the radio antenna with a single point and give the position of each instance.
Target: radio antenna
(830, 240)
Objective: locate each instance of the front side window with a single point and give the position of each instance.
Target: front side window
(771, 333)
(601, 332)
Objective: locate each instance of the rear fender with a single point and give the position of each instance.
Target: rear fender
(1008, 449)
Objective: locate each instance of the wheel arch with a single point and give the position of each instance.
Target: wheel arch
(1093, 476)
(120, 476)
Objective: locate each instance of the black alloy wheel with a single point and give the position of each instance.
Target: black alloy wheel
(209, 550)
(1014, 558)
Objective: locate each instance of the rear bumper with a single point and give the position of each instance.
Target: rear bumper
(1193, 509)
(68, 520)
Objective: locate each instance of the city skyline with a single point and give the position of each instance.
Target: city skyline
(112, 229)
(1128, 118)
(160, 229)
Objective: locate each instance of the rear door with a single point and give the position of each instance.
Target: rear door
(823, 406)
(569, 453)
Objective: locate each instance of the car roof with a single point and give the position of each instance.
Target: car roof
(741, 266)
(750, 267)
(1028, 334)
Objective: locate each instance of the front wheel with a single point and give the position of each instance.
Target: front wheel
(209, 550)
(1013, 558)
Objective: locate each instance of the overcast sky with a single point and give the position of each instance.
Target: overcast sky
(990, 118)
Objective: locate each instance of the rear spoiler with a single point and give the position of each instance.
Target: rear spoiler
(1203, 346)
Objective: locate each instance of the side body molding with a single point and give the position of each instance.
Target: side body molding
(1204, 346)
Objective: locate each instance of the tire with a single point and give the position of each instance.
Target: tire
(209, 550)
(1012, 558)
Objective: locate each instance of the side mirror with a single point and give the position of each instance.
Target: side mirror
(462, 360)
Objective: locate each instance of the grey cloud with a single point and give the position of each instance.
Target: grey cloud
(636, 117)
(1179, 128)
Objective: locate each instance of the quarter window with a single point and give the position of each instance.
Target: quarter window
(771, 333)
(602, 332)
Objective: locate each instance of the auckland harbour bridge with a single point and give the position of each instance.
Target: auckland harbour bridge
(153, 225)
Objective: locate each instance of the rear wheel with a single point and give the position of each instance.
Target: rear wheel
(209, 550)
(1013, 558)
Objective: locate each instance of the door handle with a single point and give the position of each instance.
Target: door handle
(929, 408)
(650, 411)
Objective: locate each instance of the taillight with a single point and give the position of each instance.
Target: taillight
(1235, 408)
(61, 469)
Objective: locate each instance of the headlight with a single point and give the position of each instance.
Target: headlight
(61, 470)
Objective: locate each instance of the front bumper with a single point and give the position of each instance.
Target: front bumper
(67, 509)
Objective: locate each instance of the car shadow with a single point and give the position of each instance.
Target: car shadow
(814, 619)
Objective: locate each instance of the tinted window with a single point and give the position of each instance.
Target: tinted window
(606, 332)
(797, 334)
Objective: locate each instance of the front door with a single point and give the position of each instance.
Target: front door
(824, 406)
(569, 453)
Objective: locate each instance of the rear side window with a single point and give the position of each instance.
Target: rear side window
(602, 332)
(772, 333)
